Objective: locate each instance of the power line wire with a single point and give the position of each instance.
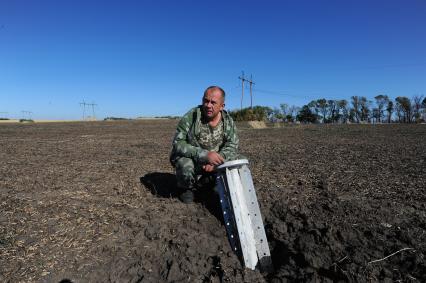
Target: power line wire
(280, 93)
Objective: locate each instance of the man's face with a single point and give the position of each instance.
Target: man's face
(212, 104)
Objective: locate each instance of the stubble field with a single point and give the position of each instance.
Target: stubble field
(96, 202)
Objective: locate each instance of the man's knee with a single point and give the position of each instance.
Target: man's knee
(185, 165)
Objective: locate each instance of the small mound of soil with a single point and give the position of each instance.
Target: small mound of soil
(257, 124)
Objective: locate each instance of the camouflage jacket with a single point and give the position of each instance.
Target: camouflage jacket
(185, 142)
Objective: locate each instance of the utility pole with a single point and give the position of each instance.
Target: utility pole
(84, 108)
(251, 94)
(242, 88)
(93, 110)
(84, 104)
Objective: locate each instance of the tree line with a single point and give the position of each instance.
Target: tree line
(358, 110)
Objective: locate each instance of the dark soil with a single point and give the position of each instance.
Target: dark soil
(97, 202)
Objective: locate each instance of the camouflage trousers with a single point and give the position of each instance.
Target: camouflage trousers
(187, 173)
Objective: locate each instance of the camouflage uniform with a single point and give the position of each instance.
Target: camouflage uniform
(193, 140)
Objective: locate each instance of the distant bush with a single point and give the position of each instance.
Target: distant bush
(257, 113)
(159, 117)
(26, 120)
(4, 118)
(167, 117)
(114, 118)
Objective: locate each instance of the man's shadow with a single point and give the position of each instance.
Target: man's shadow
(160, 184)
(163, 185)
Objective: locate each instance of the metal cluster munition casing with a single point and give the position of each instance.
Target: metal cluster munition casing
(241, 212)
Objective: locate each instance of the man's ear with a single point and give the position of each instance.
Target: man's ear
(223, 106)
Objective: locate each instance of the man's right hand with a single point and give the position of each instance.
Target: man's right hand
(214, 158)
(208, 168)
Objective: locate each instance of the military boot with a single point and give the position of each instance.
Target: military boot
(187, 196)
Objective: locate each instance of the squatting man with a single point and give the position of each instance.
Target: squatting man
(205, 137)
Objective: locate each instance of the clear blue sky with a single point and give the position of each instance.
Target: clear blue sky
(147, 58)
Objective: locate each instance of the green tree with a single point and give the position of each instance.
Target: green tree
(306, 115)
(313, 107)
(333, 111)
(389, 109)
(376, 115)
(352, 116)
(284, 109)
(381, 102)
(404, 105)
(343, 110)
(322, 105)
(356, 108)
(277, 114)
(365, 108)
(417, 107)
(292, 113)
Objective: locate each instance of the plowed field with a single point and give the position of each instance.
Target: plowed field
(96, 202)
